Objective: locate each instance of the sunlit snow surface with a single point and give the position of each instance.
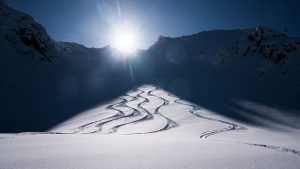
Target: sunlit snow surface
(151, 128)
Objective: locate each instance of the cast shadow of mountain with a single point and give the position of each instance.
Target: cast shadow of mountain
(248, 100)
(35, 98)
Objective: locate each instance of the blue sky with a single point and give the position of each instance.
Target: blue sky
(90, 22)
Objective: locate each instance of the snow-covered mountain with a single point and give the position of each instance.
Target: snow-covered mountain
(221, 48)
(50, 81)
(219, 69)
(21, 31)
(217, 99)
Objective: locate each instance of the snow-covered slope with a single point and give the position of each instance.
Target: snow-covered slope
(220, 99)
(149, 127)
(149, 109)
(221, 70)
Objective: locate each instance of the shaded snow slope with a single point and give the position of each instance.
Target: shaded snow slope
(219, 69)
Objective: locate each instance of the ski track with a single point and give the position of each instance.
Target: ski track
(99, 123)
(276, 148)
(143, 115)
(233, 127)
(136, 113)
(140, 114)
(105, 120)
(170, 123)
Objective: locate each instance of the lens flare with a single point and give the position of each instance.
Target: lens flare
(125, 40)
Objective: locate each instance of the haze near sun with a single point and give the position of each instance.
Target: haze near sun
(125, 40)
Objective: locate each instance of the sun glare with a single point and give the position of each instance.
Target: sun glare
(125, 41)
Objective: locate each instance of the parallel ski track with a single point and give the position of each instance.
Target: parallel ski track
(170, 123)
(231, 126)
(146, 115)
(139, 111)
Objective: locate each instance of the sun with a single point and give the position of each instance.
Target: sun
(125, 40)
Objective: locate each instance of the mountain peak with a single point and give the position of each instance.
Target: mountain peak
(23, 32)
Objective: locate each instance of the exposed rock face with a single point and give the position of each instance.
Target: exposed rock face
(24, 33)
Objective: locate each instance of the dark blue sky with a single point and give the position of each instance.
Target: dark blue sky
(90, 22)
